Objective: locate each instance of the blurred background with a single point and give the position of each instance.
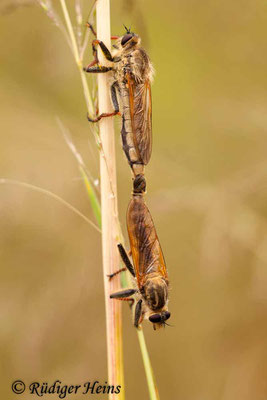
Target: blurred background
(206, 191)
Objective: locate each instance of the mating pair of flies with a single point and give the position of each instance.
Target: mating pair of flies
(132, 75)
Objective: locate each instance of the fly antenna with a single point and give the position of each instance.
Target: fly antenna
(128, 30)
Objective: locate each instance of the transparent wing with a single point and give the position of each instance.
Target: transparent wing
(141, 117)
(146, 251)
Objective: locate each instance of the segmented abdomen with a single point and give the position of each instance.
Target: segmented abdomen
(129, 148)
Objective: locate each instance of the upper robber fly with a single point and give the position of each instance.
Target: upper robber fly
(130, 95)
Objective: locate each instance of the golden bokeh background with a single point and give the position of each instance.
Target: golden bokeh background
(206, 191)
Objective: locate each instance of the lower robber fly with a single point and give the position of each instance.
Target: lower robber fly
(130, 95)
(148, 269)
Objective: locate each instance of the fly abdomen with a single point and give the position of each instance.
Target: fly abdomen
(129, 147)
(139, 184)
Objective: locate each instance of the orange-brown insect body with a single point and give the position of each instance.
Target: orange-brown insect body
(132, 77)
(149, 265)
(133, 72)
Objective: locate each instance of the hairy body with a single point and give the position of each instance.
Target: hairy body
(148, 268)
(131, 96)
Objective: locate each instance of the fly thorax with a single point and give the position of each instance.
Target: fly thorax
(155, 292)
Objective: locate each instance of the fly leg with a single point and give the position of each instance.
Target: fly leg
(131, 301)
(124, 295)
(103, 47)
(98, 69)
(114, 101)
(138, 313)
(113, 91)
(90, 26)
(127, 263)
(116, 273)
(126, 260)
(107, 55)
(105, 51)
(93, 68)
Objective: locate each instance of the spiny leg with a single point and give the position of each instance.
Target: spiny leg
(115, 104)
(103, 47)
(95, 60)
(97, 69)
(123, 294)
(114, 98)
(128, 299)
(127, 263)
(103, 115)
(137, 313)
(90, 26)
(110, 276)
(126, 260)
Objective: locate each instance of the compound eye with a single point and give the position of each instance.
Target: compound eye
(166, 315)
(155, 318)
(126, 38)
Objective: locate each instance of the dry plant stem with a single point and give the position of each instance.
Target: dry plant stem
(109, 212)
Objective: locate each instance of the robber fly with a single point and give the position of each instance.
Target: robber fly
(131, 80)
(148, 269)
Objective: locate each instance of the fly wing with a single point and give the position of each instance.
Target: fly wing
(141, 117)
(146, 251)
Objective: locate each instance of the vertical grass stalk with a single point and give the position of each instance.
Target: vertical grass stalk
(109, 211)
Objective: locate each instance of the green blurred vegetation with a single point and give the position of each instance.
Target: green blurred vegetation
(206, 191)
